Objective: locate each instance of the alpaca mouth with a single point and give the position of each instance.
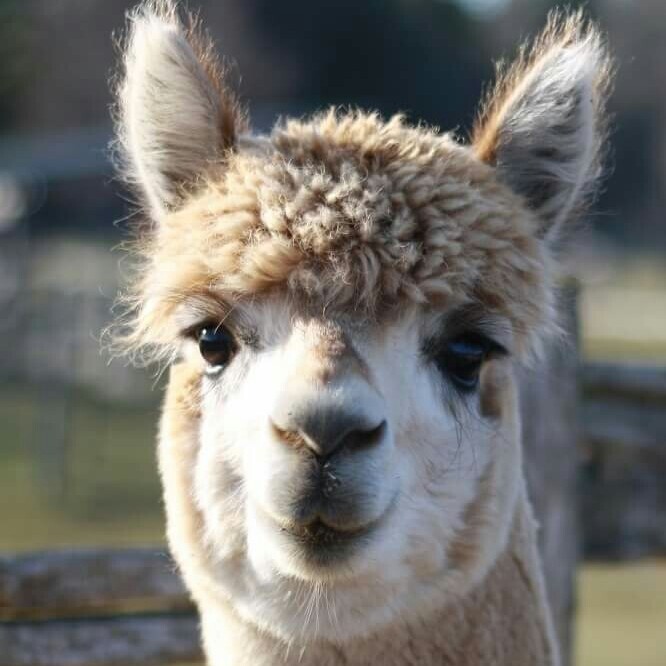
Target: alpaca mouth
(319, 534)
(322, 546)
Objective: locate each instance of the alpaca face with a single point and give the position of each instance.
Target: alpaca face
(334, 438)
(364, 460)
(344, 301)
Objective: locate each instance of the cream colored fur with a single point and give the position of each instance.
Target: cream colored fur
(175, 115)
(492, 613)
(338, 250)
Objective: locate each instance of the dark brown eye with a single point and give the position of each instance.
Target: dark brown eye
(216, 345)
(461, 358)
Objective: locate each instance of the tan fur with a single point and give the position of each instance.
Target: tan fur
(347, 241)
(332, 354)
(465, 547)
(491, 386)
(387, 217)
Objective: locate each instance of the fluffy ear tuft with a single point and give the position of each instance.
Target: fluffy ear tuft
(543, 124)
(174, 115)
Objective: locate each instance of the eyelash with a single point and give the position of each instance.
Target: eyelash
(461, 357)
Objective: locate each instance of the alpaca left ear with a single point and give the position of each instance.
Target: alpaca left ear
(543, 125)
(175, 117)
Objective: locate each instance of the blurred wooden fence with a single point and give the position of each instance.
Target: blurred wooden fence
(623, 488)
(106, 608)
(95, 608)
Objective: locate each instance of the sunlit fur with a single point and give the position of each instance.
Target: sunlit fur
(543, 123)
(339, 250)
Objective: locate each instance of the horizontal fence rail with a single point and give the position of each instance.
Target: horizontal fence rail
(129, 607)
(44, 586)
(127, 640)
(629, 381)
(95, 608)
(623, 494)
(624, 406)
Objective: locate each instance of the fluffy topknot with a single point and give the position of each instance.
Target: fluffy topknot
(344, 211)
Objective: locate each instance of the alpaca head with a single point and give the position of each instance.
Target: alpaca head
(347, 298)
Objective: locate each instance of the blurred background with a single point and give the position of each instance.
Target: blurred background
(76, 430)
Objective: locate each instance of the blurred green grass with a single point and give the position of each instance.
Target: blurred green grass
(623, 308)
(621, 614)
(105, 493)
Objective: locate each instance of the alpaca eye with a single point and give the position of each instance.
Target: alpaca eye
(461, 359)
(216, 345)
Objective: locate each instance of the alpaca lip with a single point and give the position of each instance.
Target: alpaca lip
(319, 534)
(323, 547)
(324, 543)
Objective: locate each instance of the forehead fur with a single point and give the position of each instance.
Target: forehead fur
(345, 211)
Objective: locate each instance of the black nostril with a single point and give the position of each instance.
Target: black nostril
(326, 432)
(359, 439)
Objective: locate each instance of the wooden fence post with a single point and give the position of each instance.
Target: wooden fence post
(550, 398)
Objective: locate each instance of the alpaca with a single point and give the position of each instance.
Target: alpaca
(343, 304)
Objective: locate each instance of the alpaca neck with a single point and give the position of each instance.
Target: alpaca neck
(504, 621)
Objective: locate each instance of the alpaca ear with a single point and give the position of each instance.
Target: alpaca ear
(543, 124)
(175, 118)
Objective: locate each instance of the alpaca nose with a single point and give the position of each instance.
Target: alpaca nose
(326, 429)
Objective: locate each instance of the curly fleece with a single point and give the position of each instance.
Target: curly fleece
(347, 211)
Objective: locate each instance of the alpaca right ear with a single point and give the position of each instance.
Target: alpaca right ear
(175, 116)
